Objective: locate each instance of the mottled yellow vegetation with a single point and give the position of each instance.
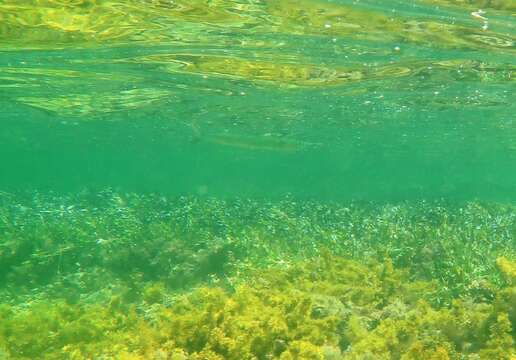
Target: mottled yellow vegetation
(329, 308)
(508, 269)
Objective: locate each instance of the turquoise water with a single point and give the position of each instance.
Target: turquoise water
(257, 179)
(415, 113)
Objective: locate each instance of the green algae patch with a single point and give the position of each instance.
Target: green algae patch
(326, 308)
(111, 276)
(61, 246)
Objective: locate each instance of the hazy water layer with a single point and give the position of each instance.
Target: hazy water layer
(326, 99)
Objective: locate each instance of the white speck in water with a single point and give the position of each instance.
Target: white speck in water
(479, 14)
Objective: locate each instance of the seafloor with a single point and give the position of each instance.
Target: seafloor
(126, 276)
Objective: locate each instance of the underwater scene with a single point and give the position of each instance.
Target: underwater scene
(258, 179)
